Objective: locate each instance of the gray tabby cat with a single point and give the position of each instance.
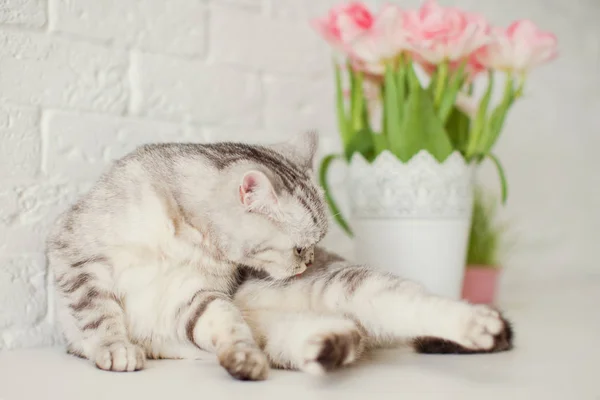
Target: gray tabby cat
(184, 248)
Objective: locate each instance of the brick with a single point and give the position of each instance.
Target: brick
(300, 9)
(304, 11)
(174, 26)
(19, 238)
(258, 42)
(20, 143)
(294, 105)
(23, 287)
(29, 13)
(29, 209)
(58, 72)
(31, 202)
(43, 334)
(81, 146)
(253, 136)
(194, 91)
(254, 5)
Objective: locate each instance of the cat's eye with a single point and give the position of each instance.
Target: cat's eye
(299, 251)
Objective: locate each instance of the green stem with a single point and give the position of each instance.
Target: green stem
(440, 83)
(357, 101)
(519, 92)
(449, 96)
(337, 215)
(501, 175)
(479, 123)
(391, 122)
(343, 124)
(496, 121)
(401, 87)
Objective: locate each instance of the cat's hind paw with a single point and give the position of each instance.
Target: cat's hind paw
(119, 356)
(326, 352)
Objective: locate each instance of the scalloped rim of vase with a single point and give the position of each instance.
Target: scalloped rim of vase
(423, 187)
(455, 158)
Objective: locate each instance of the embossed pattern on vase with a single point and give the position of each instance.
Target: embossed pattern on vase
(420, 188)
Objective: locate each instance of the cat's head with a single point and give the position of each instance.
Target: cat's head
(281, 209)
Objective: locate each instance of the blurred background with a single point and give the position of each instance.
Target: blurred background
(83, 82)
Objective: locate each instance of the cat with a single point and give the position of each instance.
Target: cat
(180, 249)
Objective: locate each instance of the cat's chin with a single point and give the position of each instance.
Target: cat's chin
(286, 274)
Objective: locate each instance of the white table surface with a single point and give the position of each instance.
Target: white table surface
(557, 357)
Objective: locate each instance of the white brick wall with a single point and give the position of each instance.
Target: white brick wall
(192, 90)
(172, 27)
(20, 148)
(85, 81)
(31, 13)
(53, 71)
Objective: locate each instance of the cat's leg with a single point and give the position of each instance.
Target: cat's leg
(305, 341)
(213, 323)
(387, 306)
(92, 316)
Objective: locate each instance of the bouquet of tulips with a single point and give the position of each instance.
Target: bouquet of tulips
(413, 71)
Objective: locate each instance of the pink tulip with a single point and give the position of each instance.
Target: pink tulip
(474, 68)
(519, 48)
(445, 34)
(344, 23)
(384, 41)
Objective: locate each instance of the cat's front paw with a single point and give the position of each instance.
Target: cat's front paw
(481, 328)
(326, 352)
(120, 356)
(245, 362)
(477, 329)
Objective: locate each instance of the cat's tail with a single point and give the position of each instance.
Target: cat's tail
(503, 341)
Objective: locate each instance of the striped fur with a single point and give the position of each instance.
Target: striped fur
(185, 248)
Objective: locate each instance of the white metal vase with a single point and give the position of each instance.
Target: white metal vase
(413, 218)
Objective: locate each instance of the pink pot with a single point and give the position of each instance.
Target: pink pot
(480, 284)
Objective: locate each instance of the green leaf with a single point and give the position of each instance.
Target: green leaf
(479, 123)
(449, 97)
(493, 129)
(440, 82)
(380, 143)
(401, 90)
(343, 124)
(496, 121)
(421, 128)
(457, 127)
(413, 79)
(363, 143)
(357, 98)
(337, 215)
(366, 124)
(501, 175)
(391, 121)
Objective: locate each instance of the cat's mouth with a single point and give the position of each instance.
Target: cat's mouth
(306, 266)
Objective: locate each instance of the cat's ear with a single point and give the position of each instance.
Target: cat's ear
(257, 194)
(301, 148)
